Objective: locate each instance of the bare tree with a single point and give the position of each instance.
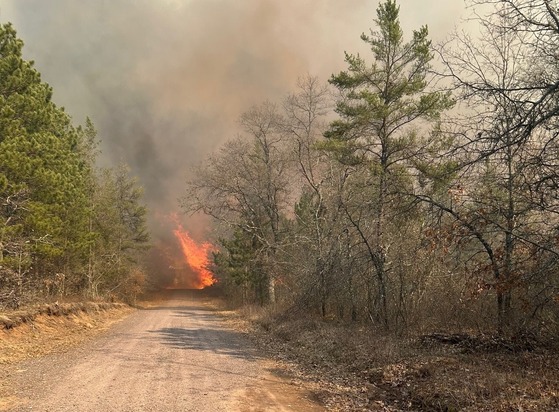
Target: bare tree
(246, 185)
(314, 240)
(498, 219)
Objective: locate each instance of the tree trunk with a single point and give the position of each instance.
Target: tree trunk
(379, 238)
(271, 289)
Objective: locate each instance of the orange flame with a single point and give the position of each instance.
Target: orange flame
(196, 256)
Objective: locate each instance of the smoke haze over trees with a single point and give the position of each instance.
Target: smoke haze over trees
(165, 81)
(365, 197)
(66, 226)
(377, 192)
(402, 210)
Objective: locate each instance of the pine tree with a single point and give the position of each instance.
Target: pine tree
(119, 230)
(383, 107)
(39, 159)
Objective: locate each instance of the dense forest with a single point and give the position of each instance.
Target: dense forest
(416, 190)
(387, 238)
(67, 227)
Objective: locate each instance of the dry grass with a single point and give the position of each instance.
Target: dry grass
(14, 318)
(39, 330)
(45, 328)
(358, 369)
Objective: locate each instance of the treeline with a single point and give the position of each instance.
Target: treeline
(413, 192)
(66, 226)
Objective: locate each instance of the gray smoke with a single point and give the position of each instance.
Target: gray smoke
(165, 81)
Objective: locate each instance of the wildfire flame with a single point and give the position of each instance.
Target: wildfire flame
(196, 256)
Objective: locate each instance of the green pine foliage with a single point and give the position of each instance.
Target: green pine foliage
(48, 187)
(385, 97)
(38, 156)
(386, 114)
(238, 262)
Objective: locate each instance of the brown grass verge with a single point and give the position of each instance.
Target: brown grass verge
(45, 328)
(49, 328)
(15, 318)
(356, 368)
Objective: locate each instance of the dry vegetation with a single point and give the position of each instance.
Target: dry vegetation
(348, 367)
(356, 368)
(423, 207)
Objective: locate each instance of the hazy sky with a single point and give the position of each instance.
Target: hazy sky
(165, 81)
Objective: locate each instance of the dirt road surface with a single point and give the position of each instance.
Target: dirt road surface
(176, 356)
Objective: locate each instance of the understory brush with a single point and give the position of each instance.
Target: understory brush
(361, 368)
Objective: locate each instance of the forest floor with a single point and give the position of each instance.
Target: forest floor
(343, 368)
(356, 369)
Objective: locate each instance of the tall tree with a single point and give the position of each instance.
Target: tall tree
(246, 185)
(38, 158)
(313, 239)
(383, 108)
(119, 226)
(504, 144)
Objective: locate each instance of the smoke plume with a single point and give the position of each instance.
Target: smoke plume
(165, 81)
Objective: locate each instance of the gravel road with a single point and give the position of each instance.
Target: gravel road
(177, 356)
